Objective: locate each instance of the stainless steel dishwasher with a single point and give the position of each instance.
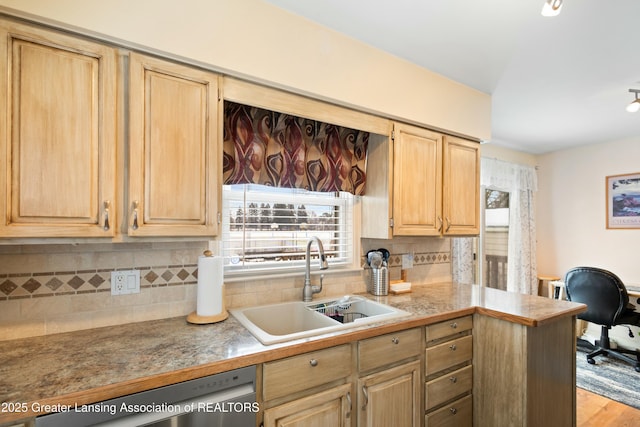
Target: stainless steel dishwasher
(222, 400)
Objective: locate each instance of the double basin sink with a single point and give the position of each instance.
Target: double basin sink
(287, 321)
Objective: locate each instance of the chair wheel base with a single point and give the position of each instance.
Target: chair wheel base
(591, 361)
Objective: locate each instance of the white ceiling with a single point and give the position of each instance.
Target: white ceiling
(555, 82)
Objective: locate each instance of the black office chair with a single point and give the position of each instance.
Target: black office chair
(607, 305)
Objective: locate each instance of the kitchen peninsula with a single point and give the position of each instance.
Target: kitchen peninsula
(523, 355)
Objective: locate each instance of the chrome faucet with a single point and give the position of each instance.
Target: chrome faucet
(308, 290)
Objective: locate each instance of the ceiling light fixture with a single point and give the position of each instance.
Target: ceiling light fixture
(551, 8)
(635, 104)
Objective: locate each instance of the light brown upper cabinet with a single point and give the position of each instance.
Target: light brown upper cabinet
(427, 183)
(58, 140)
(460, 187)
(173, 147)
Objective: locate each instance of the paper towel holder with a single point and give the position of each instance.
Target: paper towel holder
(197, 319)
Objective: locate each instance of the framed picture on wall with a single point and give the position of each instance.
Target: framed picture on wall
(623, 201)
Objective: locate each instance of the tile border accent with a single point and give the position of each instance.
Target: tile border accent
(419, 258)
(50, 284)
(59, 283)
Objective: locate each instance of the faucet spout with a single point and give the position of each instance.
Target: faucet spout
(308, 290)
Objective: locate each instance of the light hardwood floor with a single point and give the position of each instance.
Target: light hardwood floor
(594, 410)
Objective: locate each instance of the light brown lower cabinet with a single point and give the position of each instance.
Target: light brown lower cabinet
(319, 388)
(390, 397)
(449, 373)
(309, 389)
(332, 407)
(473, 370)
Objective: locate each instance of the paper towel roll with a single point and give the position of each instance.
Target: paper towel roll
(210, 282)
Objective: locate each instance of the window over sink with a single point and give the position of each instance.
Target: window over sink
(266, 229)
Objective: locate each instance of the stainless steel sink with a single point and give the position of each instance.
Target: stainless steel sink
(292, 320)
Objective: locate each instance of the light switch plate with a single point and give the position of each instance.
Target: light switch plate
(125, 282)
(407, 261)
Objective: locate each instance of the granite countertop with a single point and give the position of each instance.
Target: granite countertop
(98, 364)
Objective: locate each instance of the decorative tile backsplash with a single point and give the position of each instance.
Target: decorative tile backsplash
(49, 284)
(46, 289)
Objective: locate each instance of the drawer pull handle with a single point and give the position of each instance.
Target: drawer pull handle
(313, 362)
(454, 325)
(395, 340)
(453, 379)
(348, 414)
(453, 411)
(453, 347)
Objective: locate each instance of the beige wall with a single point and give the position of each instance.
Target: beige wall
(255, 39)
(571, 214)
(505, 154)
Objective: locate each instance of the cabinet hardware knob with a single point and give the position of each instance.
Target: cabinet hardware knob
(350, 404)
(313, 362)
(366, 397)
(395, 340)
(135, 215)
(453, 347)
(454, 325)
(453, 411)
(453, 379)
(106, 204)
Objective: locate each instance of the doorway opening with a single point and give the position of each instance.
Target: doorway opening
(494, 238)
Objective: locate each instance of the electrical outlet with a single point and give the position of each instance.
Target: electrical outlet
(125, 282)
(407, 261)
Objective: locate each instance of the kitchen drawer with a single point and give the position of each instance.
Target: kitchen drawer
(456, 414)
(386, 349)
(293, 374)
(448, 354)
(448, 328)
(448, 386)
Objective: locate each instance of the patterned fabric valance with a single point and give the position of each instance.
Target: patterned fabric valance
(280, 150)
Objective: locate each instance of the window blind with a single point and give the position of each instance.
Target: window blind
(266, 229)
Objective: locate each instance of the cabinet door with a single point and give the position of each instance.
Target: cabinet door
(58, 140)
(461, 187)
(329, 408)
(417, 181)
(390, 397)
(173, 168)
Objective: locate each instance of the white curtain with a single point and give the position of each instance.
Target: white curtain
(462, 260)
(521, 182)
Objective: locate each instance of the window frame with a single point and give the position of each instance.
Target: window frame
(348, 227)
